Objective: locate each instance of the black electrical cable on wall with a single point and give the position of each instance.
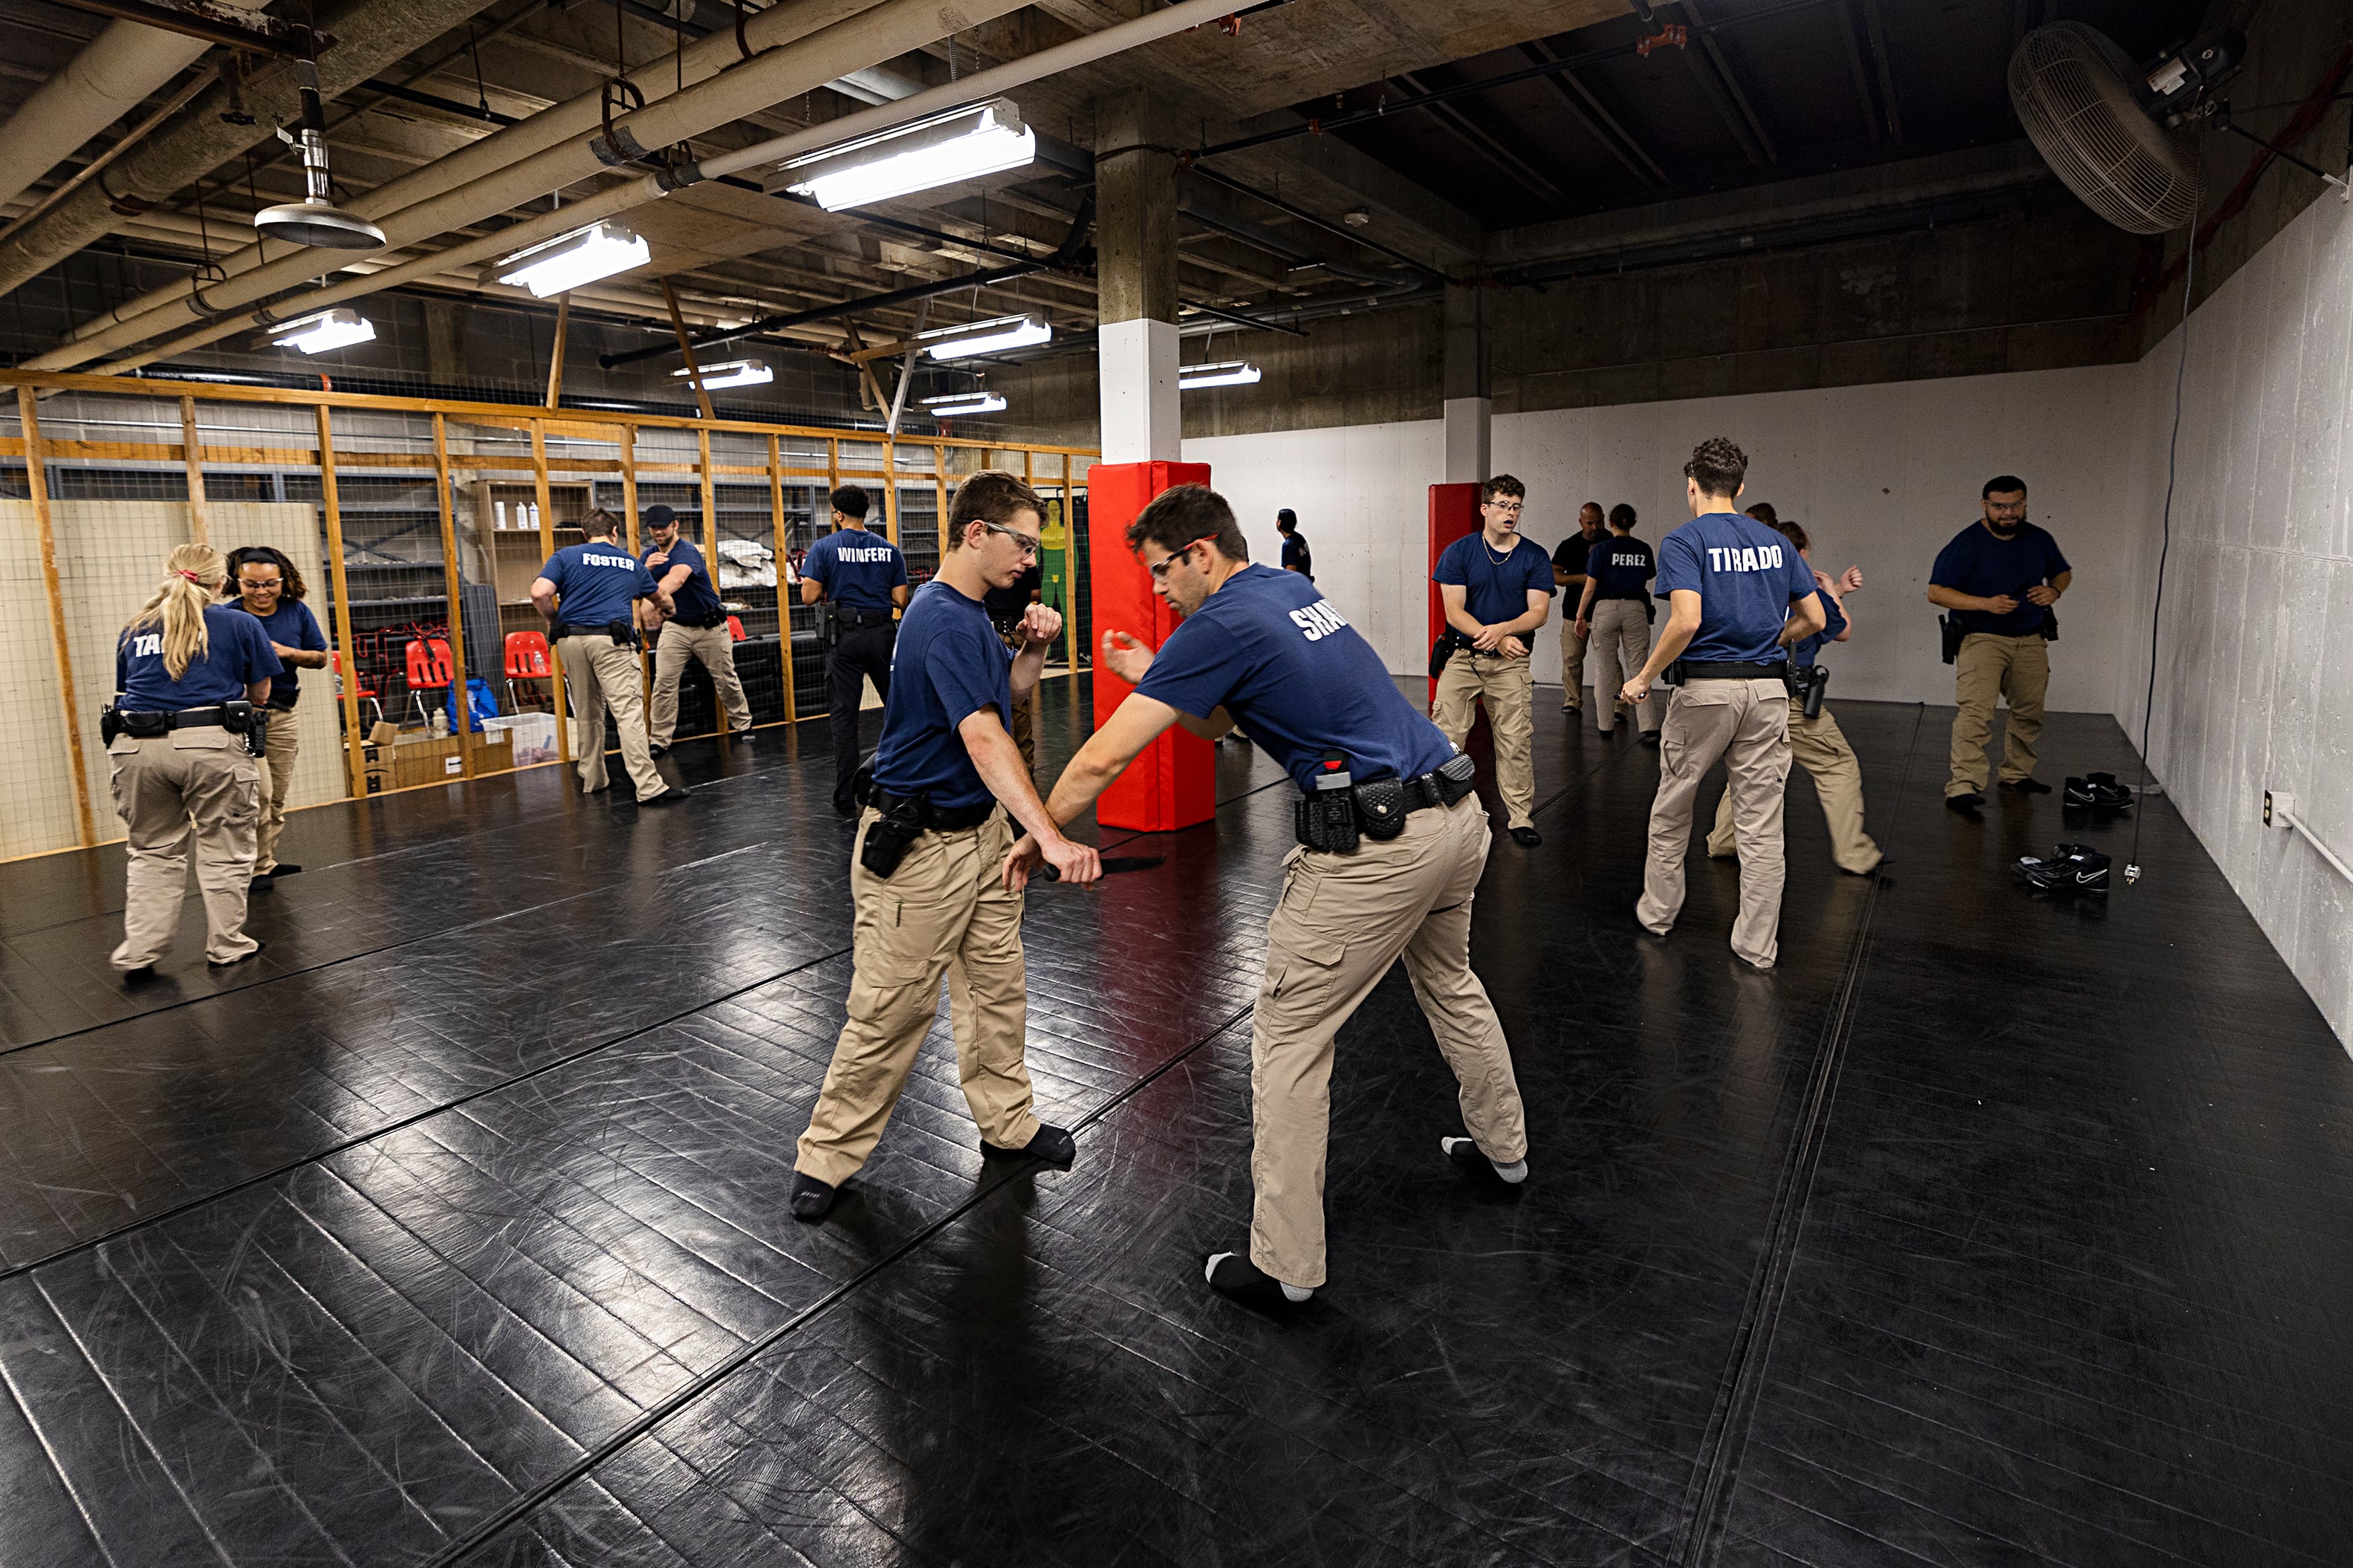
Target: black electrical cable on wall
(2165, 544)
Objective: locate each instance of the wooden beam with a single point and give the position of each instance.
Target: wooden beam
(1071, 576)
(686, 350)
(546, 549)
(450, 585)
(345, 643)
(37, 478)
(784, 554)
(890, 492)
(555, 358)
(710, 547)
(629, 463)
(192, 450)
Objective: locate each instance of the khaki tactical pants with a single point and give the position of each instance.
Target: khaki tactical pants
(600, 673)
(1820, 747)
(166, 787)
(1341, 921)
(943, 912)
(1622, 635)
(1508, 688)
(1572, 665)
(1988, 667)
(279, 747)
(715, 646)
(1745, 722)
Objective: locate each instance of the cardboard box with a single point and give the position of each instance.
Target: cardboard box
(422, 759)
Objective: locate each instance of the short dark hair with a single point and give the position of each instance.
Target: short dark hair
(599, 524)
(1717, 466)
(268, 555)
(2005, 483)
(991, 495)
(1763, 512)
(1178, 517)
(1501, 485)
(1624, 516)
(850, 500)
(1788, 529)
(1285, 521)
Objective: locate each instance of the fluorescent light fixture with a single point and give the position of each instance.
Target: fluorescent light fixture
(957, 404)
(940, 150)
(327, 330)
(735, 373)
(571, 259)
(1223, 372)
(985, 337)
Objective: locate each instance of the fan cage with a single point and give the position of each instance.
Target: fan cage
(2072, 90)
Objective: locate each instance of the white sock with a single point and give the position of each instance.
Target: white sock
(1292, 1293)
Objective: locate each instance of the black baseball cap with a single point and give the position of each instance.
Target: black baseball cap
(657, 516)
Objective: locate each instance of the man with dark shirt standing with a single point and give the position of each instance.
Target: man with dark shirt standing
(1568, 576)
(865, 577)
(1999, 578)
(1007, 608)
(1616, 611)
(1497, 590)
(699, 630)
(1295, 554)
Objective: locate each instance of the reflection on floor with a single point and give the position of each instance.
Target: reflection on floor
(1983, 1231)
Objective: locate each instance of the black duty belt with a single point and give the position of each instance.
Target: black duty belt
(859, 620)
(937, 818)
(623, 633)
(157, 723)
(718, 620)
(1735, 670)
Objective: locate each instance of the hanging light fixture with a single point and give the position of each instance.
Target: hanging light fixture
(956, 405)
(735, 373)
(317, 333)
(569, 260)
(939, 150)
(1222, 373)
(984, 337)
(315, 220)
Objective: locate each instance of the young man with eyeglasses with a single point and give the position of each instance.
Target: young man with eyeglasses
(926, 872)
(1497, 589)
(1392, 842)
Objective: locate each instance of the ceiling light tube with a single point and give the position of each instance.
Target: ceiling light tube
(1223, 372)
(735, 373)
(317, 333)
(964, 144)
(569, 260)
(956, 405)
(985, 337)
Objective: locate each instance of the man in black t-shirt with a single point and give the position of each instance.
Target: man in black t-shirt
(1568, 576)
(1295, 554)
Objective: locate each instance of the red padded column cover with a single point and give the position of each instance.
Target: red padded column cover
(1453, 512)
(1174, 784)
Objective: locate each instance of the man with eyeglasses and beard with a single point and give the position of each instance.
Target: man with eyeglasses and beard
(1998, 580)
(926, 872)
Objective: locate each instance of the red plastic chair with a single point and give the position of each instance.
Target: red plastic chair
(735, 628)
(526, 660)
(429, 670)
(366, 694)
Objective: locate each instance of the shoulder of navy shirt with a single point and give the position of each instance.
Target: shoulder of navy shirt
(857, 567)
(1980, 562)
(596, 582)
(1271, 650)
(948, 665)
(239, 655)
(292, 624)
(1746, 576)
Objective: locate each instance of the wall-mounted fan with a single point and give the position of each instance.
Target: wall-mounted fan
(2111, 129)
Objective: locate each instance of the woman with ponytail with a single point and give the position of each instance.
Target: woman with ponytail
(270, 590)
(179, 769)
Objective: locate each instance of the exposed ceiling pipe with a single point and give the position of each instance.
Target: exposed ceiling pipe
(618, 199)
(114, 73)
(402, 206)
(369, 36)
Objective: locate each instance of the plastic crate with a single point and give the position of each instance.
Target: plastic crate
(532, 736)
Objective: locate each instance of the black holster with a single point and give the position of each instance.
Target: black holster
(109, 726)
(890, 836)
(1950, 629)
(1806, 686)
(242, 717)
(1325, 817)
(2050, 626)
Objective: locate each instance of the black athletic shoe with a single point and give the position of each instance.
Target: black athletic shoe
(812, 1199)
(2026, 786)
(1052, 1144)
(670, 796)
(1464, 1153)
(283, 869)
(1231, 1274)
(657, 749)
(2072, 869)
(260, 884)
(1649, 737)
(2098, 792)
(139, 976)
(1966, 805)
(1526, 837)
(231, 963)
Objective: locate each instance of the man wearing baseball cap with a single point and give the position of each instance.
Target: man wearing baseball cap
(699, 630)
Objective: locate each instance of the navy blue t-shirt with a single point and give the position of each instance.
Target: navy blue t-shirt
(1746, 577)
(1979, 564)
(1622, 567)
(948, 665)
(598, 583)
(238, 656)
(1494, 591)
(1833, 623)
(1296, 556)
(696, 600)
(1271, 650)
(857, 568)
(291, 625)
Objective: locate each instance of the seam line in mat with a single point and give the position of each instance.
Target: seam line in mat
(530, 1503)
(1727, 1443)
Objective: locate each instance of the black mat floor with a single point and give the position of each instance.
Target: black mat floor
(1983, 1230)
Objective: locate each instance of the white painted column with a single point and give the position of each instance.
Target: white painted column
(1142, 422)
(1469, 443)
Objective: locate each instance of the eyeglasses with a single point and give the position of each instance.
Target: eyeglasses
(1159, 569)
(1027, 541)
(1507, 505)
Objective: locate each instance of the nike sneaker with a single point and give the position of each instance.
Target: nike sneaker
(2100, 792)
(2072, 869)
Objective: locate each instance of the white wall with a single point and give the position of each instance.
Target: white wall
(2254, 686)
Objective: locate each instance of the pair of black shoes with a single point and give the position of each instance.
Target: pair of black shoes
(2072, 869)
(813, 1200)
(2097, 792)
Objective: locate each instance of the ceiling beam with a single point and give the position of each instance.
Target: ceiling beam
(1723, 85)
(1878, 30)
(1598, 122)
(1491, 147)
(1870, 106)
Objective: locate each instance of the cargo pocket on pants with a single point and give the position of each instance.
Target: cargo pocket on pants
(1303, 973)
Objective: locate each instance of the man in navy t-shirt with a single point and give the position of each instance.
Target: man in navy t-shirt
(1266, 649)
(1738, 595)
(1999, 578)
(864, 577)
(1296, 556)
(589, 594)
(699, 631)
(1497, 590)
(1614, 610)
(942, 906)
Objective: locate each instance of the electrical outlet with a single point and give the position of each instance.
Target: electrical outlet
(2278, 806)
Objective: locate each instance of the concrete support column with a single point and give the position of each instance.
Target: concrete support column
(1470, 411)
(1135, 268)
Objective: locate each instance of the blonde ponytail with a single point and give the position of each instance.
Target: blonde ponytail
(195, 575)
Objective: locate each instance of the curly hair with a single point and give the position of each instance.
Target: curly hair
(1501, 485)
(992, 495)
(1717, 466)
(261, 555)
